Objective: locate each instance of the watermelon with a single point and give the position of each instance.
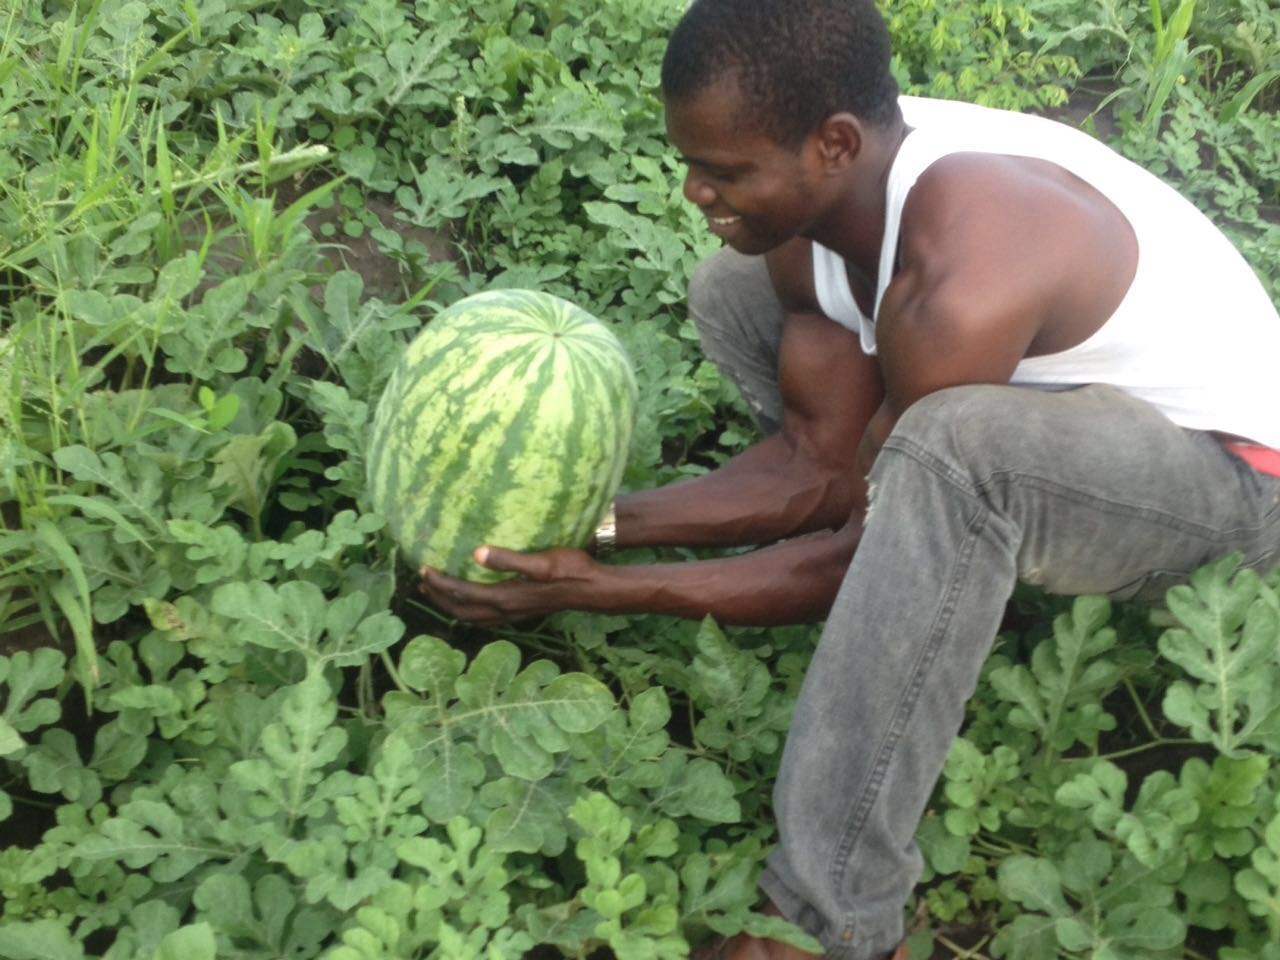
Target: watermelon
(506, 422)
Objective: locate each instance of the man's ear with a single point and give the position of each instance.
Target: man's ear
(839, 140)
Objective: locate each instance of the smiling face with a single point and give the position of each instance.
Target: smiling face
(755, 192)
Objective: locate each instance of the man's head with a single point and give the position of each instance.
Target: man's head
(795, 62)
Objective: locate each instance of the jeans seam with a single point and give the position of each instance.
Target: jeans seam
(930, 461)
(944, 469)
(850, 836)
(1162, 518)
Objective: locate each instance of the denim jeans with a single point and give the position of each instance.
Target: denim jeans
(739, 323)
(1084, 490)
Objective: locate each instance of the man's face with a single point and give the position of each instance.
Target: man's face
(756, 193)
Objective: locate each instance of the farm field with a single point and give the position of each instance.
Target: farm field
(229, 727)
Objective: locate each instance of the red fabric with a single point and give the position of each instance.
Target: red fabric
(1263, 459)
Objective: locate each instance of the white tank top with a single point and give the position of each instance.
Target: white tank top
(1196, 335)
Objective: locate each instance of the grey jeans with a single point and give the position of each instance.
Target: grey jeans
(1079, 491)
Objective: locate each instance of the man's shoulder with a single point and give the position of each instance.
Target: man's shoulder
(944, 126)
(925, 112)
(929, 112)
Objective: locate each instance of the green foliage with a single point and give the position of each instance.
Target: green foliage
(1058, 698)
(1228, 645)
(975, 52)
(1099, 861)
(1091, 904)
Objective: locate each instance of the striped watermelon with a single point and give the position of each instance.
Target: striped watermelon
(506, 422)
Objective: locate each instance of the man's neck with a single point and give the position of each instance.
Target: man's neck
(854, 228)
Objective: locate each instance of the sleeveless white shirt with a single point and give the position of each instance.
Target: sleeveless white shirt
(1196, 335)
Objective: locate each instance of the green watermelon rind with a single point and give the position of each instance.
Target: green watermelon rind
(507, 422)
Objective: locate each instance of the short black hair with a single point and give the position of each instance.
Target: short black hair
(796, 61)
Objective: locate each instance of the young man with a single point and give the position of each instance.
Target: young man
(1002, 352)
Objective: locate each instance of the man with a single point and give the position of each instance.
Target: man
(1004, 352)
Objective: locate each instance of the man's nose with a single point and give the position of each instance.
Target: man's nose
(697, 190)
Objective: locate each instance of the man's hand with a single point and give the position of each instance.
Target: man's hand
(789, 582)
(546, 583)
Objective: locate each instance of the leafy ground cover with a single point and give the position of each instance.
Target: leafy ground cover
(228, 728)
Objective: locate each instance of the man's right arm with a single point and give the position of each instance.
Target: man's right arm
(802, 478)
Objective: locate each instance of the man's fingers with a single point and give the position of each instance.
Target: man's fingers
(484, 604)
(447, 591)
(507, 561)
(535, 591)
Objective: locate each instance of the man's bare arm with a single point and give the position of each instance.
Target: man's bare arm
(790, 582)
(801, 479)
(796, 481)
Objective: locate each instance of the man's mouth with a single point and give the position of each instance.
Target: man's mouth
(723, 221)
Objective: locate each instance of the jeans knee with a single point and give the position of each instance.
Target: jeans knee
(710, 286)
(733, 291)
(707, 285)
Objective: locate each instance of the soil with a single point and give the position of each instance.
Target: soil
(1082, 110)
(383, 276)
